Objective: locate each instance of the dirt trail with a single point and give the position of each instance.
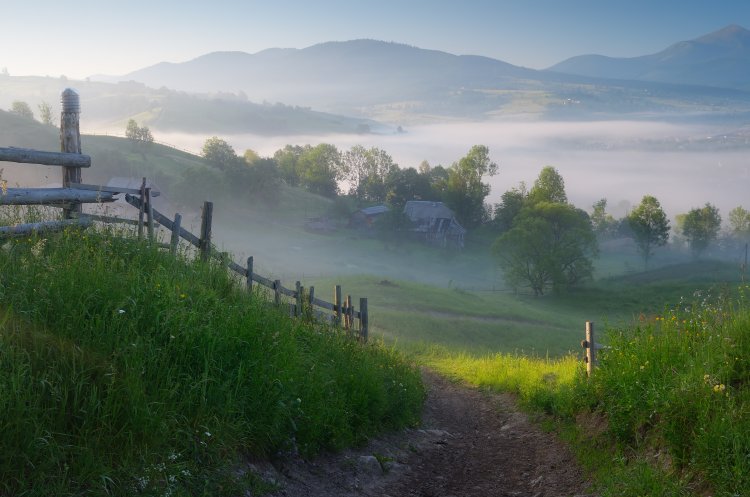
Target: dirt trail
(472, 443)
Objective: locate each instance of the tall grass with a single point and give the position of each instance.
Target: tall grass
(125, 371)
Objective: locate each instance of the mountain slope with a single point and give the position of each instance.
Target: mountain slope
(721, 59)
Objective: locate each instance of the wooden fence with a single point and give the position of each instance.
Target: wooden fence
(591, 348)
(303, 302)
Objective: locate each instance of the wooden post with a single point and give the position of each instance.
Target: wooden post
(205, 240)
(149, 215)
(175, 239)
(310, 298)
(70, 141)
(141, 209)
(249, 282)
(348, 317)
(590, 345)
(298, 290)
(364, 320)
(337, 304)
(277, 292)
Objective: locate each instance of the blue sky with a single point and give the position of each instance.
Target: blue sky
(45, 37)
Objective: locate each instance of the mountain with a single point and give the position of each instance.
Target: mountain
(720, 59)
(397, 83)
(336, 76)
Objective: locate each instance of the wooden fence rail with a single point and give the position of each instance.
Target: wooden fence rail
(74, 193)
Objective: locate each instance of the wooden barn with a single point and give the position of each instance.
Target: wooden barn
(435, 223)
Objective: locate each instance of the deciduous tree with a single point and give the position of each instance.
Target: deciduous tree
(649, 225)
(22, 109)
(701, 227)
(550, 246)
(464, 191)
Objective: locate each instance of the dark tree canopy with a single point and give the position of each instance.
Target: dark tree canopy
(464, 190)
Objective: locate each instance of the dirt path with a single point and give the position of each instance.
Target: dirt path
(471, 444)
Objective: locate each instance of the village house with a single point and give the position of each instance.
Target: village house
(435, 223)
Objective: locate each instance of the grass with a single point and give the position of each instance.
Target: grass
(128, 372)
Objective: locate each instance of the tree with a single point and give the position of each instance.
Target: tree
(464, 190)
(739, 223)
(550, 246)
(548, 187)
(138, 134)
(701, 227)
(367, 171)
(220, 154)
(287, 160)
(21, 109)
(45, 114)
(511, 203)
(604, 224)
(650, 226)
(319, 169)
(403, 185)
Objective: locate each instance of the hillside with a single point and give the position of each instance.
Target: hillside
(110, 105)
(720, 59)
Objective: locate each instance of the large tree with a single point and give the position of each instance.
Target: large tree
(464, 190)
(649, 225)
(320, 169)
(220, 154)
(45, 114)
(739, 223)
(701, 227)
(550, 246)
(604, 224)
(367, 171)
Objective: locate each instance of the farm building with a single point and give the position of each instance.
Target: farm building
(364, 218)
(435, 222)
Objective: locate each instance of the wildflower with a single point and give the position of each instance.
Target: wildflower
(121, 311)
(182, 295)
(719, 387)
(4, 186)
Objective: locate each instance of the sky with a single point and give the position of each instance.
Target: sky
(87, 37)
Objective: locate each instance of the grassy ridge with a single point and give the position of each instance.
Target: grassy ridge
(125, 372)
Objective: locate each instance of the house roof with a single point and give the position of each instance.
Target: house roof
(424, 209)
(374, 210)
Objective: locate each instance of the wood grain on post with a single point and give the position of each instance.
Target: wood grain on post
(205, 240)
(364, 321)
(70, 142)
(29, 156)
(174, 240)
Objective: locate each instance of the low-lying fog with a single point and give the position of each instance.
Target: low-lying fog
(684, 166)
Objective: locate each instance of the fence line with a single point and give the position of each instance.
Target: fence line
(74, 193)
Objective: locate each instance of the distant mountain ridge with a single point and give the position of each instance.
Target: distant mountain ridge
(397, 83)
(720, 59)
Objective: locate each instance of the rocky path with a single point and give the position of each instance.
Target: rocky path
(471, 444)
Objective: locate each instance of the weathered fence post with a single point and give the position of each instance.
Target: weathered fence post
(205, 239)
(70, 141)
(175, 239)
(277, 292)
(364, 324)
(348, 314)
(590, 345)
(141, 209)
(337, 304)
(298, 300)
(310, 299)
(149, 215)
(249, 282)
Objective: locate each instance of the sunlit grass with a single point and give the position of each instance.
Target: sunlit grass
(125, 371)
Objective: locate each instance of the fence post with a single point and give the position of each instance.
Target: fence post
(149, 215)
(205, 239)
(298, 289)
(70, 141)
(175, 239)
(277, 292)
(249, 282)
(141, 209)
(348, 314)
(363, 320)
(337, 304)
(310, 298)
(590, 345)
